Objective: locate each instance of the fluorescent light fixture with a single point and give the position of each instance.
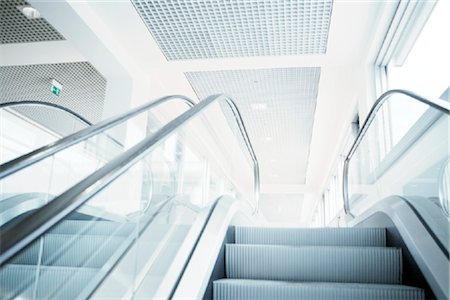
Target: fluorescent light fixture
(29, 12)
(259, 106)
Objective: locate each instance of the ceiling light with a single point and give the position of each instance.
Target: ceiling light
(268, 138)
(258, 106)
(30, 12)
(275, 175)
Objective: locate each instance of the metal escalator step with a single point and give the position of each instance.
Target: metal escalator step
(19, 281)
(314, 263)
(16, 279)
(70, 250)
(374, 237)
(236, 289)
(93, 228)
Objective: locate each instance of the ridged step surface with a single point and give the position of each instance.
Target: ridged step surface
(233, 289)
(374, 237)
(18, 282)
(90, 251)
(92, 228)
(314, 263)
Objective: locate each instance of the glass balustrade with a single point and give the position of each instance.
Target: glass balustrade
(28, 127)
(405, 161)
(133, 229)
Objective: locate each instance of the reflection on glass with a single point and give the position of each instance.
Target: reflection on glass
(444, 187)
(29, 126)
(409, 168)
(137, 223)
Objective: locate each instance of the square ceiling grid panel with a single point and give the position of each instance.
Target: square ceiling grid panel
(200, 29)
(277, 106)
(15, 27)
(83, 90)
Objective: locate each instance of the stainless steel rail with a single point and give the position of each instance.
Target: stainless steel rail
(438, 104)
(6, 105)
(19, 235)
(444, 188)
(45, 104)
(39, 154)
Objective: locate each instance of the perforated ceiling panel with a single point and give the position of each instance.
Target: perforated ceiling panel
(186, 29)
(278, 107)
(83, 86)
(16, 28)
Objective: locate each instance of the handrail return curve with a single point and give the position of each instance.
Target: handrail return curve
(41, 153)
(438, 104)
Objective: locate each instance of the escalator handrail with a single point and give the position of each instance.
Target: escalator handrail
(439, 104)
(77, 116)
(32, 226)
(443, 186)
(47, 104)
(41, 153)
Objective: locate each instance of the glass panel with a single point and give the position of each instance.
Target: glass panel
(409, 168)
(62, 170)
(26, 127)
(137, 223)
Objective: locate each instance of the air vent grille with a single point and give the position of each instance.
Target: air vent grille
(186, 29)
(83, 86)
(16, 28)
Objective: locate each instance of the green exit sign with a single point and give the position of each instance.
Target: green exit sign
(56, 88)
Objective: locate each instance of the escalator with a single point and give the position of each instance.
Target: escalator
(125, 223)
(133, 226)
(395, 244)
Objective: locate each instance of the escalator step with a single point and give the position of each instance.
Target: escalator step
(235, 289)
(374, 237)
(18, 281)
(314, 263)
(93, 228)
(70, 250)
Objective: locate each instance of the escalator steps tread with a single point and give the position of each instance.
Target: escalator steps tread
(374, 237)
(314, 263)
(18, 281)
(70, 250)
(236, 289)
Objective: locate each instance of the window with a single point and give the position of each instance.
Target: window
(425, 71)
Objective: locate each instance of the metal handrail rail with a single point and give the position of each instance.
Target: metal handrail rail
(438, 104)
(45, 103)
(35, 224)
(444, 193)
(39, 154)
(12, 104)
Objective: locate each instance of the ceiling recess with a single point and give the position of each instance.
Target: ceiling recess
(84, 87)
(186, 29)
(281, 132)
(18, 28)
